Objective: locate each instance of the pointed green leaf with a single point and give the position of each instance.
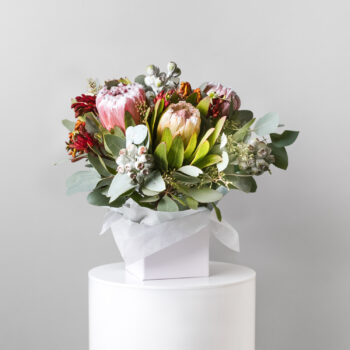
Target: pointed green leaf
(240, 134)
(149, 199)
(281, 156)
(117, 131)
(185, 178)
(161, 157)
(121, 184)
(208, 133)
(241, 116)
(167, 204)
(218, 127)
(97, 198)
(217, 212)
(176, 153)
(208, 160)
(98, 164)
(158, 109)
(167, 138)
(192, 99)
(192, 203)
(114, 144)
(285, 139)
(191, 146)
(82, 181)
(267, 124)
(203, 106)
(68, 124)
(190, 170)
(201, 152)
(129, 120)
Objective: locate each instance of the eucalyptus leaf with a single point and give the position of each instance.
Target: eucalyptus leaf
(98, 164)
(154, 182)
(117, 131)
(185, 178)
(68, 124)
(148, 192)
(285, 139)
(205, 195)
(167, 204)
(267, 124)
(190, 170)
(241, 133)
(121, 184)
(243, 183)
(136, 134)
(149, 199)
(129, 120)
(242, 116)
(140, 79)
(97, 198)
(192, 203)
(82, 181)
(224, 162)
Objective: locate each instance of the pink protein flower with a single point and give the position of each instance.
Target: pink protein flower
(224, 93)
(112, 104)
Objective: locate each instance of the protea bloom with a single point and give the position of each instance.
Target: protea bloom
(114, 102)
(182, 119)
(223, 95)
(84, 104)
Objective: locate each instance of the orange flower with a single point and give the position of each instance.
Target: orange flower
(185, 89)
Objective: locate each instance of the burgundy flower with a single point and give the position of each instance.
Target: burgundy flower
(165, 95)
(84, 104)
(80, 141)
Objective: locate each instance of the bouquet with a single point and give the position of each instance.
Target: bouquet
(169, 147)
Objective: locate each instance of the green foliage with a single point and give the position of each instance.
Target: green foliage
(97, 198)
(167, 137)
(176, 153)
(217, 212)
(114, 144)
(191, 146)
(120, 185)
(204, 195)
(201, 152)
(285, 139)
(187, 179)
(158, 109)
(267, 124)
(192, 99)
(241, 116)
(82, 181)
(154, 182)
(98, 163)
(190, 170)
(129, 120)
(203, 106)
(167, 204)
(216, 133)
(208, 160)
(68, 124)
(240, 134)
(160, 156)
(281, 156)
(243, 183)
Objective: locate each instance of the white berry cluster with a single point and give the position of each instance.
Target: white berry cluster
(135, 162)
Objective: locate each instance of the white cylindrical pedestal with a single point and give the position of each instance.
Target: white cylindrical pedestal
(207, 313)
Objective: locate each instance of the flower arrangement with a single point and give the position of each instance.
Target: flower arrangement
(166, 146)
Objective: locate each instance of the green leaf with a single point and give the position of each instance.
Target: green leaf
(224, 163)
(129, 120)
(121, 183)
(140, 79)
(185, 178)
(208, 160)
(241, 133)
(160, 156)
(190, 170)
(218, 127)
(201, 152)
(243, 183)
(92, 125)
(208, 133)
(154, 182)
(98, 164)
(82, 181)
(192, 99)
(176, 153)
(192, 203)
(114, 144)
(285, 139)
(117, 131)
(191, 146)
(267, 124)
(167, 204)
(97, 198)
(167, 137)
(68, 124)
(242, 116)
(217, 212)
(147, 192)
(149, 199)
(205, 195)
(281, 156)
(203, 106)
(158, 109)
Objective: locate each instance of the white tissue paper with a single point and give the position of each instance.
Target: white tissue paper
(140, 232)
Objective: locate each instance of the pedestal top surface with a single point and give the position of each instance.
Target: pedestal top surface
(221, 274)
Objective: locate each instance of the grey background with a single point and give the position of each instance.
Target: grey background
(291, 57)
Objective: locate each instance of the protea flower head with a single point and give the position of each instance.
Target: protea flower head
(114, 102)
(225, 95)
(182, 119)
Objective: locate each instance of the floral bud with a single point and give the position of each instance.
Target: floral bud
(122, 152)
(145, 172)
(141, 150)
(132, 175)
(121, 169)
(158, 82)
(121, 160)
(143, 158)
(139, 165)
(150, 70)
(261, 164)
(132, 150)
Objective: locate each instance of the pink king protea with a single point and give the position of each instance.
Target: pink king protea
(112, 104)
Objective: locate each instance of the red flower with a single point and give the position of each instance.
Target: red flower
(215, 109)
(84, 104)
(165, 95)
(80, 141)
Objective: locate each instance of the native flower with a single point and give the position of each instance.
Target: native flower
(113, 102)
(222, 97)
(84, 104)
(182, 119)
